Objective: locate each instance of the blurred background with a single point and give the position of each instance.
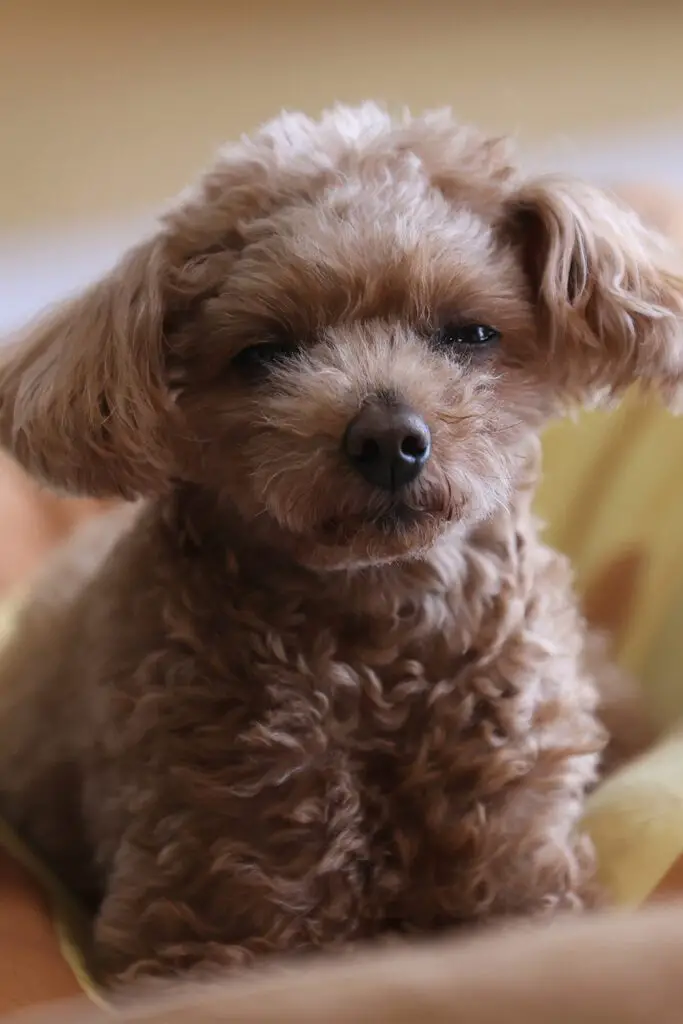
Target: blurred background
(108, 107)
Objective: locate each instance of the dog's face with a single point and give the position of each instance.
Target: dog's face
(348, 332)
(361, 396)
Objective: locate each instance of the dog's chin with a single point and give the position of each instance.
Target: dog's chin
(400, 532)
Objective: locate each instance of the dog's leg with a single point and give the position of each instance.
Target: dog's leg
(145, 932)
(167, 939)
(489, 796)
(223, 878)
(520, 856)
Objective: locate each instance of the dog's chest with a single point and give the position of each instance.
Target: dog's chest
(380, 675)
(396, 722)
(373, 731)
(390, 696)
(373, 672)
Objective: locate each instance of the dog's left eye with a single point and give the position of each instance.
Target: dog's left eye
(455, 335)
(257, 358)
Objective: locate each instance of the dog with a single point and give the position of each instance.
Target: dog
(318, 681)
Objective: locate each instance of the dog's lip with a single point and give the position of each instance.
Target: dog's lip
(397, 515)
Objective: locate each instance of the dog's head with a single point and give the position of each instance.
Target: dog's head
(349, 329)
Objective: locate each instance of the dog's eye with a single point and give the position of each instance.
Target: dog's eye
(456, 335)
(257, 358)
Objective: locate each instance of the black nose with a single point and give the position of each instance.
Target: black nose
(388, 444)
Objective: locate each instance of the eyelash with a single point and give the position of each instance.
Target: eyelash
(466, 336)
(255, 359)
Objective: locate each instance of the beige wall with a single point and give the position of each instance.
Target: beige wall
(108, 105)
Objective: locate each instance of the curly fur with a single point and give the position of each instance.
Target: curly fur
(261, 709)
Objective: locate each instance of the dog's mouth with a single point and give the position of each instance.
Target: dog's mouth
(399, 516)
(398, 520)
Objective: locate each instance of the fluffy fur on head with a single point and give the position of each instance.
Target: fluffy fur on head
(253, 752)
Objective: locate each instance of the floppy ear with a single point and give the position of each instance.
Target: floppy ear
(83, 401)
(87, 395)
(608, 292)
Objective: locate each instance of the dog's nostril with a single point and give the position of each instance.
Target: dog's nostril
(369, 450)
(413, 446)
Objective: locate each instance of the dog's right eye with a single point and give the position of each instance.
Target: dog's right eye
(257, 358)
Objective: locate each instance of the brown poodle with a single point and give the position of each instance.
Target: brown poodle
(323, 682)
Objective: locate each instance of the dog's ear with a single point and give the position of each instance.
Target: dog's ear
(83, 400)
(87, 394)
(608, 292)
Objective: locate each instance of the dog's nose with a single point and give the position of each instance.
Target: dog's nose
(388, 444)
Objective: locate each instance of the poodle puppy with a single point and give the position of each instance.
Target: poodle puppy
(319, 680)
